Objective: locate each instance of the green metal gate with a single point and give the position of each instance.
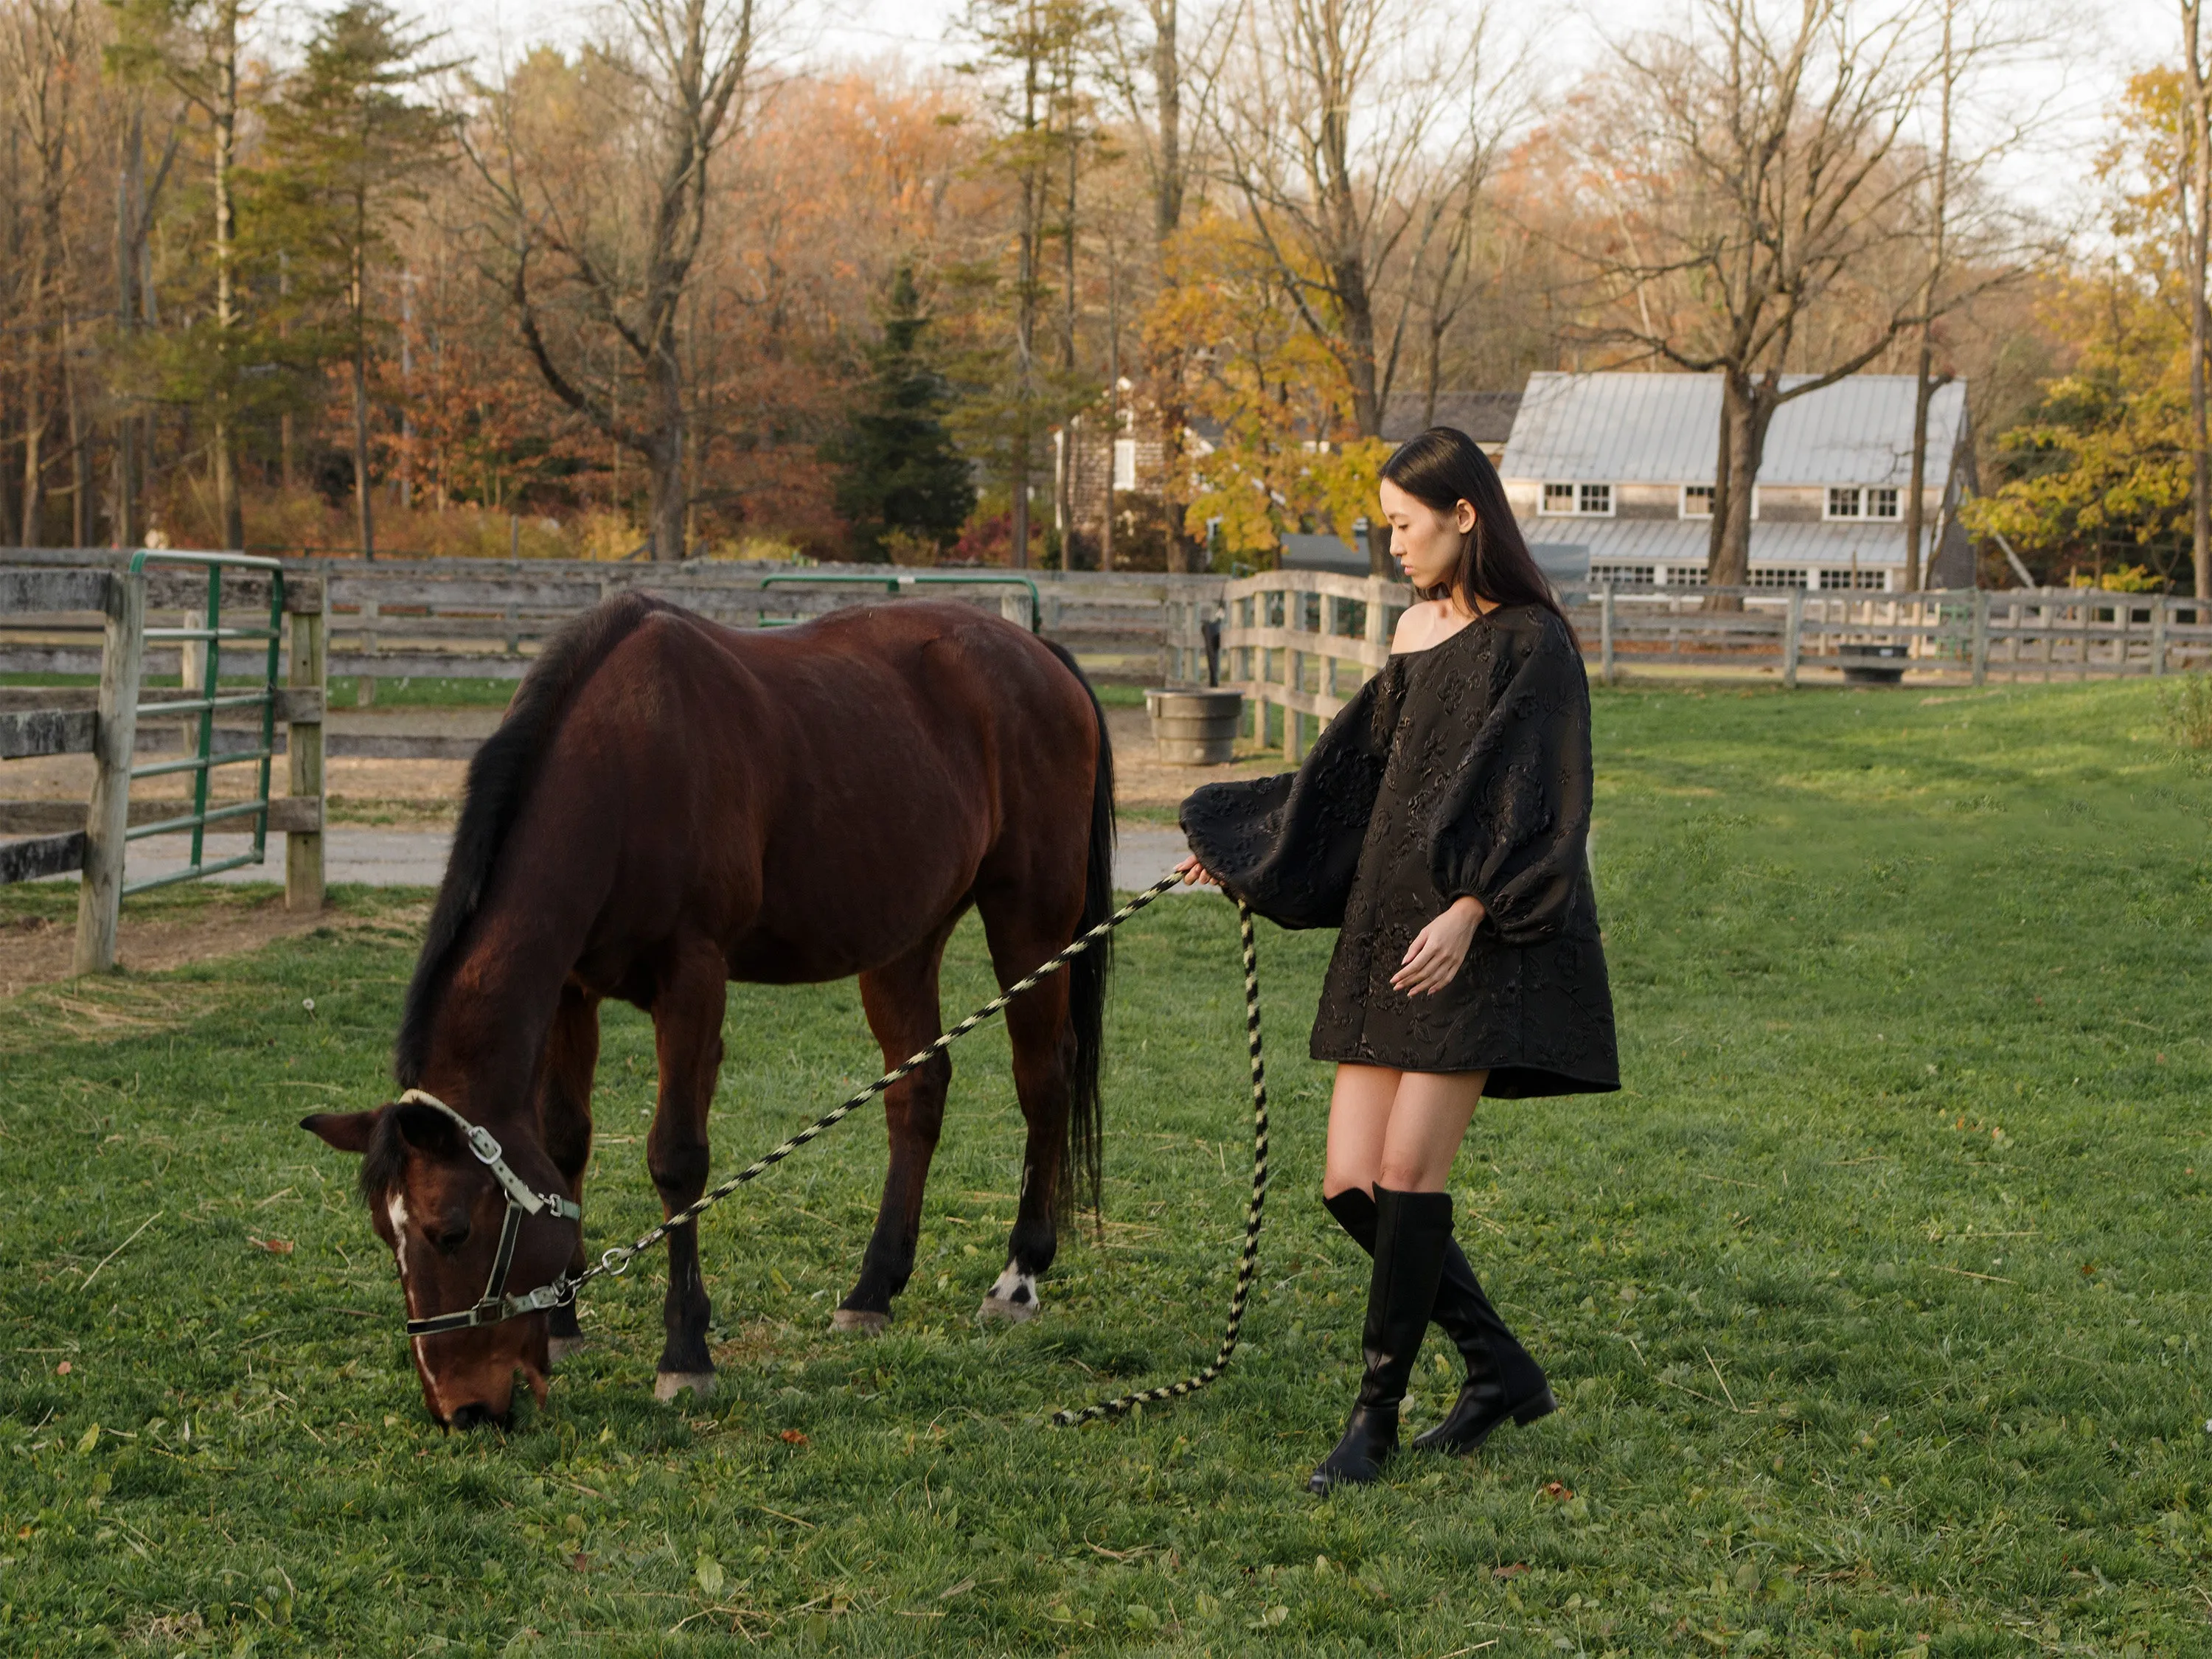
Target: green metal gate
(204, 761)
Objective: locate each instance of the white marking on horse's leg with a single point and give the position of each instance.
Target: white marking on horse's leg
(668, 1384)
(1013, 1298)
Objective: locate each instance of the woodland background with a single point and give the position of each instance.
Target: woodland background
(294, 279)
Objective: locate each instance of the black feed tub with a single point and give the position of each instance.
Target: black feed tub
(1872, 664)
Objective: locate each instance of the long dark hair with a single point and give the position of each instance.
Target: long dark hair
(1443, 467)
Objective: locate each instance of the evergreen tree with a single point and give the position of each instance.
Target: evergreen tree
(901, 469)
(352, 151)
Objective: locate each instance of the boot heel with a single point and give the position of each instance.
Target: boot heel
(1542, 1406)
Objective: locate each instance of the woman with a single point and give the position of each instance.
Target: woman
(1441, 823)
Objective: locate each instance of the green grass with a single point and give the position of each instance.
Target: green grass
(1876, 1303)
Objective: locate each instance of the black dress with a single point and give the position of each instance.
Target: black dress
(1464, 768)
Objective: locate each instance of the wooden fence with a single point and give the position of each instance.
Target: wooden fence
(37, 840)
(1300, 643)
(487, 618)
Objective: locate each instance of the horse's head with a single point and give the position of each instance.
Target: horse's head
(443, 1210)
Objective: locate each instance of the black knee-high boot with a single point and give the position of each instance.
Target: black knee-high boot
(1502, 1379)
(1411, 1232)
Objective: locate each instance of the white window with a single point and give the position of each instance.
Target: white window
(1697, 500)
(1842, 503)
(1125, 463)
(1774, 578)
(1585, 501)
(1624, 575)
(1882, 503)
(1683, 575)
(1863, 581)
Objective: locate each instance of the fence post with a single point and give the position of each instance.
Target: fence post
(2158, 636)
(1793, 631)
(1605, 634)
(364, 685)
(1980, 649)
(99, 896)
(303, 745)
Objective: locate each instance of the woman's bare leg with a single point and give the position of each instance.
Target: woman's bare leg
(1358, 1122)
(1427, 1120)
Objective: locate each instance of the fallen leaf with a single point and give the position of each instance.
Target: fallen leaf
(579, 1562)
(62, 1369)
(1513, 1571)
(1555, 1489)
(793, 1437)
(274, 1246)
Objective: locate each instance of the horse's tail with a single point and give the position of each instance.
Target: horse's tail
(1087, 974)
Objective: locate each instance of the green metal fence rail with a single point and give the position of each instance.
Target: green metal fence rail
(892, 584)
(204, 760)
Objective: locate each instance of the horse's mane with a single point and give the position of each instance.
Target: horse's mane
(499, 783)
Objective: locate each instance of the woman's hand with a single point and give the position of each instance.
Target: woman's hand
(1192, 870)
(1438, 950)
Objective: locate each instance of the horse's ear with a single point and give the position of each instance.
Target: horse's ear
(348, 1132)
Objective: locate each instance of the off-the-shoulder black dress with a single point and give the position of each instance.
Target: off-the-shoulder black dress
(1462, 768)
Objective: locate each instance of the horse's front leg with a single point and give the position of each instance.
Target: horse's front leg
(564, 1112)
(688, 1007)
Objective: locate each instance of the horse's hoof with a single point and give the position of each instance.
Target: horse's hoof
(560, 1347)
(668, 1384)
(859, 1319)
(1014, 1313)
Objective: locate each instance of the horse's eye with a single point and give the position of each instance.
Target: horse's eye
(453, 1238)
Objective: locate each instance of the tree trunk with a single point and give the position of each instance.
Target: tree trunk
(228, 505)
(1925, 384)
(1747, 408)
(1924, 393)
(2198, 147)
(34, 430)
(1360, 342)
(365, 518)
(667, 499)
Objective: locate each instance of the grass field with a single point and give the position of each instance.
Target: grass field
(1876, 1303)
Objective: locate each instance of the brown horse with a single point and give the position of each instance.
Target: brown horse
(671, 805)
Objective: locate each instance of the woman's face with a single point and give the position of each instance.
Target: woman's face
(1425, 542)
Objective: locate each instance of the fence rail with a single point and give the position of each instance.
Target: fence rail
(105, 595)
(1300, 643)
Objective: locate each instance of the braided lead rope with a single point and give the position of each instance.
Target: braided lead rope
(618, 1260)
(1248, 1263)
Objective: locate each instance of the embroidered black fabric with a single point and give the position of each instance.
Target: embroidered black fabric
(1462, 768)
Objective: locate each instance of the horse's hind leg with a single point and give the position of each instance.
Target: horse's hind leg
(1043, 1045)
(564, 1107)
(688, 1007)
(902, 1003)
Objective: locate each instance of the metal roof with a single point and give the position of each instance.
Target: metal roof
(1665, 429)
(1486, 417)
(1804, 545)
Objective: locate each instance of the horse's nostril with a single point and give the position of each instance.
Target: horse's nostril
(477, 1417)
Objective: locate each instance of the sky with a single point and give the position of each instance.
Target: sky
(2077, 79)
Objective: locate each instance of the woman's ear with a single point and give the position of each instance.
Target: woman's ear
(1463, 516)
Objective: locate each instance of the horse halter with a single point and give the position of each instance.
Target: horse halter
(496, 1305)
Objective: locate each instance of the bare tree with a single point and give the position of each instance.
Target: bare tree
(1771, 185)
(2195, 205)
(1330, 130)
(1157, 71)
(1967, 231)
(196, 47)
(615, 263)
(42, 53)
